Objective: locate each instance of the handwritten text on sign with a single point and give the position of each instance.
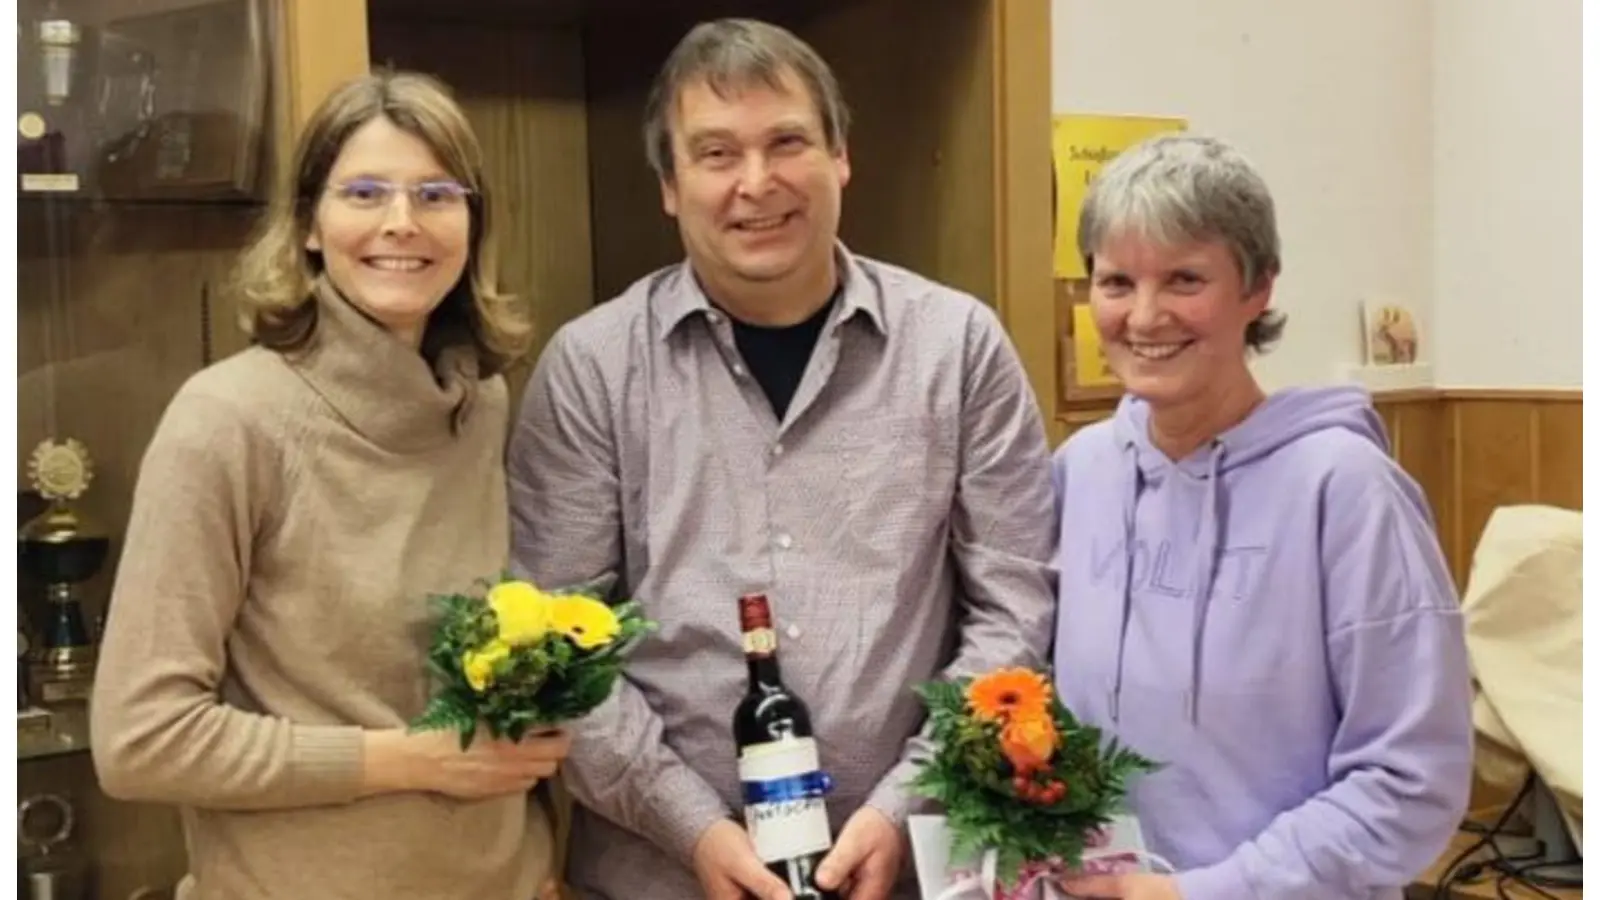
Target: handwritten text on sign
(1082, 145)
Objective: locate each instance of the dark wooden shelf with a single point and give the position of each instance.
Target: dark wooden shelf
(43, 734)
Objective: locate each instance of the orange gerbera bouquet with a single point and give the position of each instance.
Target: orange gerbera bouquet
(1018, 774)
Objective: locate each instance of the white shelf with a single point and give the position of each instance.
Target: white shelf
(1396, 377)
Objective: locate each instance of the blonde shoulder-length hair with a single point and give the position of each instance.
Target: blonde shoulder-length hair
(276, 274)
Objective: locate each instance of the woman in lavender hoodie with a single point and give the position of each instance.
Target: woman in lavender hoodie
(1251, 589)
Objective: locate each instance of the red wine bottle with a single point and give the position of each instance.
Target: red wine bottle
(780, 773)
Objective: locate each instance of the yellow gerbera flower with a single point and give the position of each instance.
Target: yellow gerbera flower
(478, 665)
(587, 621)
(522, 610)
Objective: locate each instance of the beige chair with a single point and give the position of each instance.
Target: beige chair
(1524, 620)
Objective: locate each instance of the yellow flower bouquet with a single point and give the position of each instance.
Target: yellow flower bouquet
(515, 658)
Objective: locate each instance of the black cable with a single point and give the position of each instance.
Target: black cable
(1505, 876)
(1454, 873)
(1527, 873)
(1505, 867)
(1520, 874)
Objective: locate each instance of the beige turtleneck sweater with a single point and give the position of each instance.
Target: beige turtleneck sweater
(292, 515)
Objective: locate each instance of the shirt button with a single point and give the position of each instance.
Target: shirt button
(738, 370)
(793, 632)
(785, 542)
(777, 449)
(713, 318)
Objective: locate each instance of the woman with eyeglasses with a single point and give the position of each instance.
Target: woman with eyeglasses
(299, 502)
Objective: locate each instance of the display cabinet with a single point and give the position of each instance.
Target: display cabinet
(147, 134)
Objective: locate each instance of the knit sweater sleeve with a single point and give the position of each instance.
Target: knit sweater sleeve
(159, 730)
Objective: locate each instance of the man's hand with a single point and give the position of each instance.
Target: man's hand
(865, 860)
(728, 868)
(1137, 886)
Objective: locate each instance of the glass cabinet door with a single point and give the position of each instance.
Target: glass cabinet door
(145, 140)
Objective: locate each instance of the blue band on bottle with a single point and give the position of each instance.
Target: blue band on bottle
(794, 787)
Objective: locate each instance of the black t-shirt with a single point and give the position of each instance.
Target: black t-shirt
(777, 357)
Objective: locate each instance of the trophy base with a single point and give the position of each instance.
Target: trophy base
(63, 675)
(65, 690)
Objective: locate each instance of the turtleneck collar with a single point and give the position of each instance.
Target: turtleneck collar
(384, 388)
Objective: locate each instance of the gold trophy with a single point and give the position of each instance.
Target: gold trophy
(61, 550)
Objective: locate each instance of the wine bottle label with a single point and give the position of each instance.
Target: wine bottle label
(784, 810)
(760, 642)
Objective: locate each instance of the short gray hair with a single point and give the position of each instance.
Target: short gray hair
(1183, 187)
(732, 54)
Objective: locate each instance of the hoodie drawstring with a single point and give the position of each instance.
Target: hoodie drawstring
(1206, 566)
(1282, 419)
(1130, 504)
(1206, 569)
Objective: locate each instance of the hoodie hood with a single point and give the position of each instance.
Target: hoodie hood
(1283, 418)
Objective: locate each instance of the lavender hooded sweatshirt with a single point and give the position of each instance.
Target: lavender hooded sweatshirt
(1270, 618)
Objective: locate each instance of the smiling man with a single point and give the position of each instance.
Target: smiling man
(776, 415)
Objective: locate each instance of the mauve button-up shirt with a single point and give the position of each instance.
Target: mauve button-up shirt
(900, 519)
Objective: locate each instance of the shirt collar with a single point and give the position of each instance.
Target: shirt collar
(681, 296)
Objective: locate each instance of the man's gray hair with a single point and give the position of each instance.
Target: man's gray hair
(1183, 187)
(731, 55)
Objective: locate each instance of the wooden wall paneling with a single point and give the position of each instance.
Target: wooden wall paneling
(523, 90)
(922, 150)
(1558, 454)
(1493, 466)
(1511, 447)
(631, 236)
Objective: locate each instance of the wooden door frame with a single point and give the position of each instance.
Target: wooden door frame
(1023, 241)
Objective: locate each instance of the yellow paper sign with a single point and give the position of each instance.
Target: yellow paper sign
(1088, 354)
(1082, 146)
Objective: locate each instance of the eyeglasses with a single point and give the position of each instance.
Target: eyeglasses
(426, 196)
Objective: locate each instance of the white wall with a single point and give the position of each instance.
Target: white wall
(1507, 185)
(1331, 103)
(1423, 150)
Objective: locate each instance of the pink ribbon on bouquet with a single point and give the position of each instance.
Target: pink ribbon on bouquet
(1048, 872)
(1045, 874)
